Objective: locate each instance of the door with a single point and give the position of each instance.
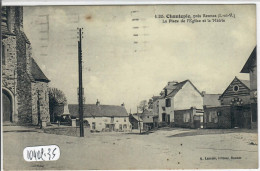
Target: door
(168, 119)
(7, 106)
(240, 117)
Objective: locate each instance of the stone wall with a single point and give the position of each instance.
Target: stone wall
(179, 118)
(40, 102)
(9, 67)
(9, 73)
(224, 117)
(23, 82)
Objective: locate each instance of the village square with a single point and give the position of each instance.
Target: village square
(180, 127)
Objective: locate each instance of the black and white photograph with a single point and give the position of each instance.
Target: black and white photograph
(129, 87)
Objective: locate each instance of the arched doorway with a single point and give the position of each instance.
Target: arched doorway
(7, 106)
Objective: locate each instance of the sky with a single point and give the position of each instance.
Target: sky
(119, 67)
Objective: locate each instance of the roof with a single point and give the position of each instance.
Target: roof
(246, 83)
(37, 73)
(250, 62)
(211, 100)
(155, 98)
(147, 112)
(178, 86)
(25, 37)
(136, 117)
(93, 110)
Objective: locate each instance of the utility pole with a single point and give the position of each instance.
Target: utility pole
(139, 120)
(80, 85)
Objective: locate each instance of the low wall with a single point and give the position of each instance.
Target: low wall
(69, 131)
(179, 115)
(223, 115)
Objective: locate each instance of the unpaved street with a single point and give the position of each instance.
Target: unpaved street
(162, 149)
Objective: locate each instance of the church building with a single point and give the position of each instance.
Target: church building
(24, 85)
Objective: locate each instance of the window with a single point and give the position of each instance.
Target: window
(112, 119)
(124, 119)
(125, 126)
(235, 88)
(213, 116)
(120, 127)
(3, 54)
(165, 92)
(186, 117)
(168, 102)
(164, 117)
(94, 125)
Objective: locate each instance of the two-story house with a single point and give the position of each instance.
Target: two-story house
(177, 96)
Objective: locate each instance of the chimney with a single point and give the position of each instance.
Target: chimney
(123, 104)
(97, 103)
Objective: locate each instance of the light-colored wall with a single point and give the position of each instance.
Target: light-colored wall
(253, 83)
(102, 121)
(161, 104)
(170, 110)
(188, 97)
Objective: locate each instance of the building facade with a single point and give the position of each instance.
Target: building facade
(105, 118)
(250, 67)
(24, 85)
(147, 118)
(237, 93)
(136, 121)
(176, 96)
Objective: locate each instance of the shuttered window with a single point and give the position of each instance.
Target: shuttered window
(168, 102)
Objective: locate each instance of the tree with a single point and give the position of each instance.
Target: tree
(56, 98)
(142, 105)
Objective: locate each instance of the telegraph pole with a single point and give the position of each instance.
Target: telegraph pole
(80, 85)
(139, 121)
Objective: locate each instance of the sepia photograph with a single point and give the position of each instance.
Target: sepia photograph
(129, 87)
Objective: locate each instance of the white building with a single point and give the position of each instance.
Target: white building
(176, 96)
(103, 117)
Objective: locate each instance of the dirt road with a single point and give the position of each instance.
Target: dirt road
(161, 149)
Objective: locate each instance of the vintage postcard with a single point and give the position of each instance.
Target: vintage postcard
(129, 87)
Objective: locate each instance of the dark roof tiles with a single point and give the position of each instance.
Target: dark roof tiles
(37, 73)
(98, 110)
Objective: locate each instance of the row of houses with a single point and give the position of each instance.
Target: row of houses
(181, 104)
